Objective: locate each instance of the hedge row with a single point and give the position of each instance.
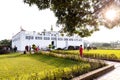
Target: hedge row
(91, 55)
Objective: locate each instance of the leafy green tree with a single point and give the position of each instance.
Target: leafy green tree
(106, 45)
(80, 17)
(50, 46)
(34, 47)
(5, 42)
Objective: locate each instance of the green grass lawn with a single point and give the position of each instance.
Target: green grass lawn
(15, 64)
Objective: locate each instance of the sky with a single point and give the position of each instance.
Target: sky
(15, 14)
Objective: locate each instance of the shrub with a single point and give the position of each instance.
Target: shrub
(34, 47)
(71, 48)
(76, 47)
(59, 49)
(60, 73)
(4, 50)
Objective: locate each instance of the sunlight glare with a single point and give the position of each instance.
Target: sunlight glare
(110, 14)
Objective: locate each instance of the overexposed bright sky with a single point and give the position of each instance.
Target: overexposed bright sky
(15, 14)
(105, 35)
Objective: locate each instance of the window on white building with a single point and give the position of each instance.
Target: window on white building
(38, 38)
(80, 39)
(51, 34)
(70, 39)
(46, 38)
(60, 39)
(53, 38)
(75, 39)
(29, 37)
(65, 39)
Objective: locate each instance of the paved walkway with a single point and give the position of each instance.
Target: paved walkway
(114, 74)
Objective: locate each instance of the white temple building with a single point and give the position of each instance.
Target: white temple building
(44, 39)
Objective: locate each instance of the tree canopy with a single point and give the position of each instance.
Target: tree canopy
(5, 42)
(81, 17)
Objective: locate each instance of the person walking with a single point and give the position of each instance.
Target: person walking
(26, 48)
(81, 51)
(15, 49)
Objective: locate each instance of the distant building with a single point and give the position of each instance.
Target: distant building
(115, 44)
(44, 39)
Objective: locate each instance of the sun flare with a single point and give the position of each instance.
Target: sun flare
(110, 14)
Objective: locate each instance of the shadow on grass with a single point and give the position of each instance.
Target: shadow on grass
(54, 61)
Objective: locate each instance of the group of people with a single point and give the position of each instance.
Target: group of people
(28, 48)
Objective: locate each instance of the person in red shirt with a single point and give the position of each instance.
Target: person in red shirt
(81, 51)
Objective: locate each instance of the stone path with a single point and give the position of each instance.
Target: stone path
(114, 74)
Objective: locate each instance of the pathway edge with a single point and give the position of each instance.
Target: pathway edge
(94, 74)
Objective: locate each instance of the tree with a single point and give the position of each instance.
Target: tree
(80, 17)
(5, 42)
(106, 45)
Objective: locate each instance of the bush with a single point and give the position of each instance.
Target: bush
(71, 48)
(33, 46)
(76, 47)
(66, 73)
(4, 50)
(94, 48)
(59, 49)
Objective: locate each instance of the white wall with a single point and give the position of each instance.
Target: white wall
(16, 41)
(22, 41)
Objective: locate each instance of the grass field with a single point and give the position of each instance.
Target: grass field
(104, 54)
(117, 52)
(13, 65)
